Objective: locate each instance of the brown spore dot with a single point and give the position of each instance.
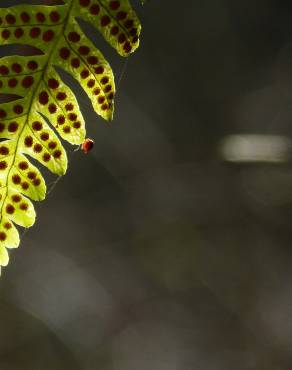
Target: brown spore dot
(75, 62)
(25, 185)
(10, 209)
(52, 145)
(45, 136)
(32, 65)
(121, 38)
(105, 20)
(2, 126)
(46, 157)
(40, 17)
(37, 126)
(34, 32)
(57, 154)
(24, 17)
(69, 107)
(12, 82)
(92, 60)
(129, 23)
(104, 107)
(114, 5)
(104, 80)
(83, 50)
(7, 225)
(77, 124)
(2, 113)
(48, 35)
(64, 53)
(67, 129)
(43, 98)
(61, 96)
(23, 206)
(28, 141)
(127, 47)
(84, 73)
(13, 126)
(96, 91)
(73, 36)
(16, 198)
(4, 150)
(16, 67)
(99, 70)
(37, 148)
(10, 19)
(27, 81)
(18, 33)
(133, 32)
(90, 83)
(31, 175)
(107, 88)
(36, 182)
(94, 9)
(121, 15)
(3, 165)
(17, 109)
(16, 179)
(23, 165)
(72, 117)
(52, 108)
(4, 70)
(114, 30)
(53, 83)
(54, 16)
(61, 120)
(135, 39)
(101, 99)
(5, 34)
(84, 3)
(111, 96)
(2, 236)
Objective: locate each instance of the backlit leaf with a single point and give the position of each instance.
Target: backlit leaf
(45, 110)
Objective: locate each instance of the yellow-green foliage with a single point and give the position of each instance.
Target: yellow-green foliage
(41, 93)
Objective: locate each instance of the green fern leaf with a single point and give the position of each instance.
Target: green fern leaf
(43, 97)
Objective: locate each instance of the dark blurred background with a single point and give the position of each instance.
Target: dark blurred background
(168, 247)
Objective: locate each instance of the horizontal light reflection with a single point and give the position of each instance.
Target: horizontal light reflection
(256, 148)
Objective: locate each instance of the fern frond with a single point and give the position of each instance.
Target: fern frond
(46, 108)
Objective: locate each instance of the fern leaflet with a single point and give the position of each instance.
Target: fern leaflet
(43, 97)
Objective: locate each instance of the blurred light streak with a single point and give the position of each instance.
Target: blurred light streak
(255, 148)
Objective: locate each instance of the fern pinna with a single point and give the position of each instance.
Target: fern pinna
(43, 97)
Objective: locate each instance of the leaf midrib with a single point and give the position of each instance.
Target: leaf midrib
(33, 25)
